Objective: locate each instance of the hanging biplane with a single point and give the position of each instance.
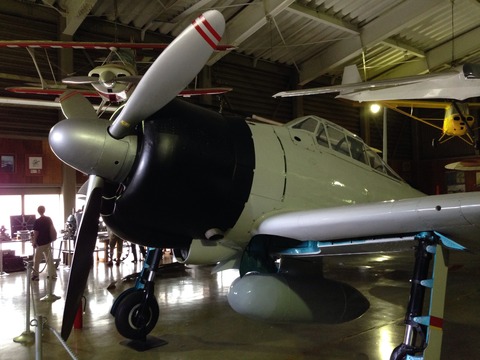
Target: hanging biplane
(457, 84)
(113, 80)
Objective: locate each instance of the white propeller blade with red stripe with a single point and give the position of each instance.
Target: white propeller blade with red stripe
(173, 70)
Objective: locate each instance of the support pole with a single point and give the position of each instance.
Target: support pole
(423, 334)
(385, 135)
(50, 297)
(38, 338)
(2, 273)
(27, 337)
(437, 305)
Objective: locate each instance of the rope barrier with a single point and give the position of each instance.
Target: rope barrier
(60, 339)
(39, 322)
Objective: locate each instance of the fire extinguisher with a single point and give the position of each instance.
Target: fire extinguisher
(78, 322)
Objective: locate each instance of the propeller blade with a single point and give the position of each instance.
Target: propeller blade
(75, 104)
(462, 116)
(83, 256)
(133, 79)
(80, 80)
(173, 70)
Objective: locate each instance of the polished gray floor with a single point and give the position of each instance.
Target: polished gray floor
(197, 322)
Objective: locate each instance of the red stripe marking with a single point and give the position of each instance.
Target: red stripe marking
(211, 29)
(196, 24)
(39, 91)
(69, 95)
(437, 322)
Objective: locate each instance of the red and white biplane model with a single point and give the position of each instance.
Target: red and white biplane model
(112, 81)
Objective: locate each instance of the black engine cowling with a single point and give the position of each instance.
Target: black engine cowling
(193, 173)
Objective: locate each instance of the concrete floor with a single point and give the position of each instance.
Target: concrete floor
(197, 322)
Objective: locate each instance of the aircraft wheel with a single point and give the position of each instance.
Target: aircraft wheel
(434, 143)
(133, 319)
(401, 352)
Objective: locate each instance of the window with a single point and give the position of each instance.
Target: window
(357, 149)
(52, 203)
(338, 141)
(309, 124)
(11, 205)
(375, 160)
(322, 138)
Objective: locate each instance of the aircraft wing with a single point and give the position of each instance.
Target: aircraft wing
(93, 94)
(90, 45)
(464, 165)
(423, 104)
(453, 216)
(31, 90)
(363, 86)
(204, 91)
(11, 101)
(460, 83)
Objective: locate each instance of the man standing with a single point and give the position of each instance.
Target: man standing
(41, 243)
(115, 241)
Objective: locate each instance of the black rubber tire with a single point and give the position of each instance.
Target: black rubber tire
(400, 352)
(129, 322)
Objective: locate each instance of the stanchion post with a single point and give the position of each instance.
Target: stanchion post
(50, 297)
(38, 338)
(2, 273)
(27, 337)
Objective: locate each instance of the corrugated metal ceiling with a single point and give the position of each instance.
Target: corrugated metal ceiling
(385, 38)
(294, 32)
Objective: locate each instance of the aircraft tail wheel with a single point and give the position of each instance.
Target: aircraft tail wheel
(135, 318)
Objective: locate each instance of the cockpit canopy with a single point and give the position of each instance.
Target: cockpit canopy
(342, 141)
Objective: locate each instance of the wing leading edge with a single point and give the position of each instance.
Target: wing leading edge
(460, 83)
(455, 216)
(49, 44)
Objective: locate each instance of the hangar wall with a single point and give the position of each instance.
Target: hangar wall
(253, 84)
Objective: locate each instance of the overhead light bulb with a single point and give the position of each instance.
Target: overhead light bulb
(375, 108)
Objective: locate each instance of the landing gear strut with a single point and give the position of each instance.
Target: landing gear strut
(423, 334)
(136, 310)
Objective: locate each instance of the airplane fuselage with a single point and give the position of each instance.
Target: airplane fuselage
(216, 177)
(109, 84)
(458, 121)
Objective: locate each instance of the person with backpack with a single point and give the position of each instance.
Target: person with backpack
(44, 234)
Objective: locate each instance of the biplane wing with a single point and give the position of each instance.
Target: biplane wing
(112, 81)
(93, 94)
(50, 44)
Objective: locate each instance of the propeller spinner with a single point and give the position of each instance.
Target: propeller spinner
(90, 146)
(105, 77)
